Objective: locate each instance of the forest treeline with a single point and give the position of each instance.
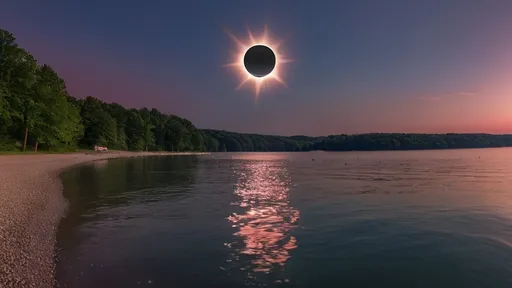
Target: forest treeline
(37, 112)
(362, 142)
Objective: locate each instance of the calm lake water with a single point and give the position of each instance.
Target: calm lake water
(318, 219)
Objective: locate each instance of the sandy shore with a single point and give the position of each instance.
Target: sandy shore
(31, 206)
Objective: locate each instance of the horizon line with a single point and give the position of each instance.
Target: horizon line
(366, 133)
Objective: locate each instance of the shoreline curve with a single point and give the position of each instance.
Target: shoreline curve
(31, 207)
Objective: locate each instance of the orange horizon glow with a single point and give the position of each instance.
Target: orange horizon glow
(238, 62)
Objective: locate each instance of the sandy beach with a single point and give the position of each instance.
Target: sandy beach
(31, 206)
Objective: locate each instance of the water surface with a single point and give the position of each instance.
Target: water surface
(318, 219)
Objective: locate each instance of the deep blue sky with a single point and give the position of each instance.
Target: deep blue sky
(362, 66)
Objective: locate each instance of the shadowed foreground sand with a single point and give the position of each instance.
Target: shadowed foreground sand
(31, 206)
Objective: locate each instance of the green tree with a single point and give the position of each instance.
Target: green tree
(147, 128)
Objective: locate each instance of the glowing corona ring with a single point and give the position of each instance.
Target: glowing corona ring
(259, 81)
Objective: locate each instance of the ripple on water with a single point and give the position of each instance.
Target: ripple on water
(376, 219)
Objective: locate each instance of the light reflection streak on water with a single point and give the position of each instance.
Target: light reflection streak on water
(263, 231)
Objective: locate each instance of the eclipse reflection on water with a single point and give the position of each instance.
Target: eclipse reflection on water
(264, 229)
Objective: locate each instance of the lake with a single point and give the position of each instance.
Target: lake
(312, 219)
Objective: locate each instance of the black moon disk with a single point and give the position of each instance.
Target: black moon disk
(259, 60)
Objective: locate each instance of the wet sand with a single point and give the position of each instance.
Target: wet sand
(31, 206)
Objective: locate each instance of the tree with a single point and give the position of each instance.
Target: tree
(147, 128)
(197, 141)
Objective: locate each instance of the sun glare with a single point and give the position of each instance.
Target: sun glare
(238, 62)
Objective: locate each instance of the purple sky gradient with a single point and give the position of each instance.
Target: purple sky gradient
(362, 66)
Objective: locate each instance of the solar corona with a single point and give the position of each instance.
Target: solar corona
(258, 60)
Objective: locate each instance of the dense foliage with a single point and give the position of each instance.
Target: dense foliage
(229, 141)
(396, 141)
(36, 111)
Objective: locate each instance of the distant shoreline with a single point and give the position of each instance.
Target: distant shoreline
(231, 141)
(31, 208)
(388, 150)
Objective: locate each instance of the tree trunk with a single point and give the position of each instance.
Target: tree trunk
(37, 143)
(25, 141)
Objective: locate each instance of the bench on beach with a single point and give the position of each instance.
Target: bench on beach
(100, 148)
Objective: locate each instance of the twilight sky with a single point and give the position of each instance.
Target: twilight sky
(362, 65)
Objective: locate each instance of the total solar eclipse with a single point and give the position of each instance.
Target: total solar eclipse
(259, 60)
